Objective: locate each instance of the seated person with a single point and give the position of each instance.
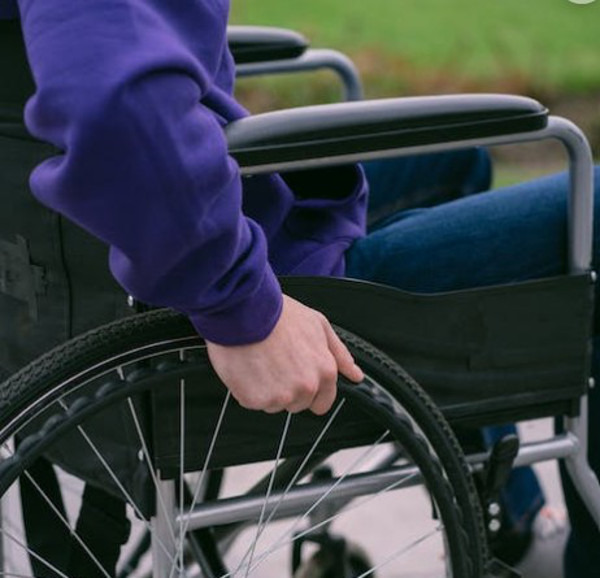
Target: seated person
(134, 95)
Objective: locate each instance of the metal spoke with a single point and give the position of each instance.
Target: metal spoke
(64, 521)
(339, 480)
(116, 480)
(13, 575)
(181, 460)
(268, 494)
(402, 551)
(200, 481)
(277, 546)
(66, 524)
(151, 469)
(301, 467)
(361, 458)
(309, 454)
(6, 533)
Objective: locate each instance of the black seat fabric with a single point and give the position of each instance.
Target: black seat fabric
(485, 355)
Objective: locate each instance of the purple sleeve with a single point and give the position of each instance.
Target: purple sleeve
(143, 164)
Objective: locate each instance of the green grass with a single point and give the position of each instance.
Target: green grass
(507, 174)
(537, 45)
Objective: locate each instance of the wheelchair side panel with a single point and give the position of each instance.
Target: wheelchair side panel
(514, 351)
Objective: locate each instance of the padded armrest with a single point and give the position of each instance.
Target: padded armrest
(260, 43)
(352, 128)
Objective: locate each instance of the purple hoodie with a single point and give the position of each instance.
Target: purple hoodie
(135, 95)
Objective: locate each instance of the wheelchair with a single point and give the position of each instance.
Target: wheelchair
(134, 408)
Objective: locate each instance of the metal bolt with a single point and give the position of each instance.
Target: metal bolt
(130, 301)
(141, 455)
(591, 383)
(494, 525)
(494, 509)
(593, 276)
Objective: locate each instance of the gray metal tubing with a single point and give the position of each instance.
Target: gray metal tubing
(555, 448)
(313, 59)
(384, 458)
(584, 479)
(581, 199)
(164, 550)
(300, 498)
(580, 223)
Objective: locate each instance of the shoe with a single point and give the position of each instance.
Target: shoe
(544, 557)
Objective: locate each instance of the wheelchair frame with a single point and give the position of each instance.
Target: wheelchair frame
(249, 138)
(260, 50)
(570, 446)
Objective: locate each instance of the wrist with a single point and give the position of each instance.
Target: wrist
(247, 321)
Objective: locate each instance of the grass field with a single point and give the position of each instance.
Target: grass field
(543, 46)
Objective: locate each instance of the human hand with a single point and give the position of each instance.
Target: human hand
(294, 368)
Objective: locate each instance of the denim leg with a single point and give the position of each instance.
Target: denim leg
(511, 234)
(515, 233)
(424, 180)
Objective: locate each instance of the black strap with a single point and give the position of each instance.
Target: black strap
(47, 536)
(102, 526)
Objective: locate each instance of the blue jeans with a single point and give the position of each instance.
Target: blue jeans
(456, 240)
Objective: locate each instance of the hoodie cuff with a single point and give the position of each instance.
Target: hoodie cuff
(247, 321)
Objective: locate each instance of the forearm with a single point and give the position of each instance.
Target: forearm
(143, 165)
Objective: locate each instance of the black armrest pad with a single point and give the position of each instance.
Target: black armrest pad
(360, 127)
(259, 43)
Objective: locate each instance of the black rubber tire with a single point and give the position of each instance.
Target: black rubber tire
(25, 395)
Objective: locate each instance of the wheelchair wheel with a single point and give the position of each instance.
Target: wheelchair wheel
(132, 416)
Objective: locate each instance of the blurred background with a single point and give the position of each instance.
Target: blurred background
(546, 49)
